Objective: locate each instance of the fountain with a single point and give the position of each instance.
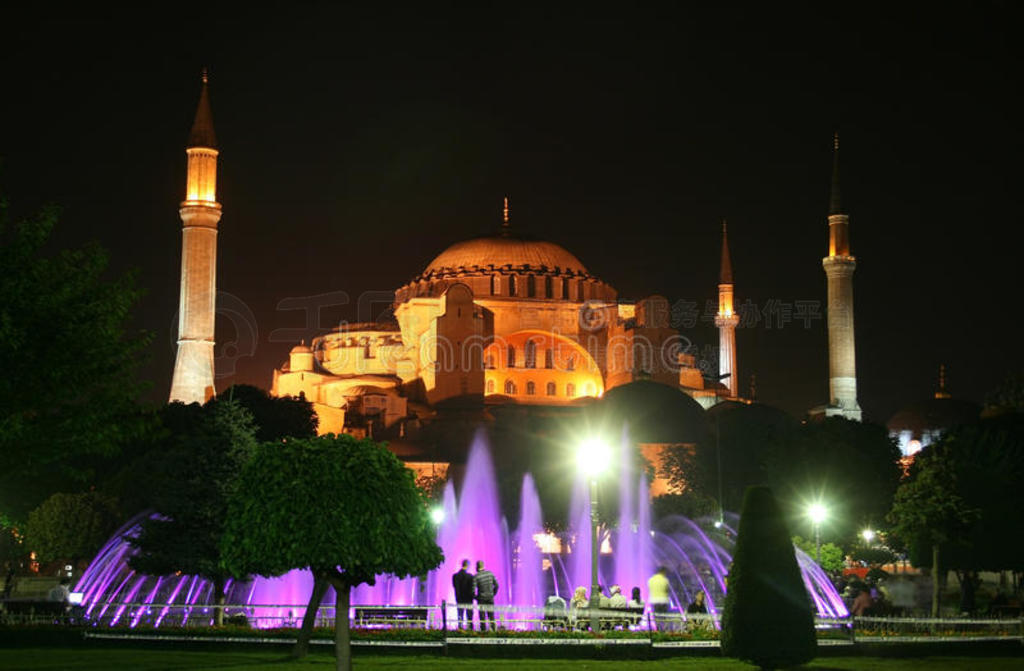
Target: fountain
(472, 528)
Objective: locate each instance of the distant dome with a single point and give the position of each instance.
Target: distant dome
(499, 251)
(935, 414)
(653, 412)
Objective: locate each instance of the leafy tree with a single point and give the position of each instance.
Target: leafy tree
(852, 466)
(832, 558)
(688, 504)
(198, 474)
(68, 389)
(71, 526)
(346, 509)
(275, 417)
(928, 508)
(768, 617)
(969, 486)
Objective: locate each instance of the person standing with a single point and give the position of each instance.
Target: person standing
(486, 586)
(657, 595)
(465, 591)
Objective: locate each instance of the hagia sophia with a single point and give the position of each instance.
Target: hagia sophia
(492, 324)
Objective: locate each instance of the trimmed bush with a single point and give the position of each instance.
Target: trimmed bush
(768, 618)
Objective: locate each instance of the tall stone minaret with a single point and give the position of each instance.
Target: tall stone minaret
(726, 321)
(200, 212)
(839, 266)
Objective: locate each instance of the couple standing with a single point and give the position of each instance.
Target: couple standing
(482, 587)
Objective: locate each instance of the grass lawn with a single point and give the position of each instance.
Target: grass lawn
(75, 659)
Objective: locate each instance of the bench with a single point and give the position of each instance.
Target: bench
(409, 616)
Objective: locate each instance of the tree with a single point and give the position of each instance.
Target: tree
(71, 526)
(851, 466)
(276, 417)
(962, 495)
(199, 474)
(927, 507)
(68, 389)
(347, 509)
(768, 616)
(832, 558)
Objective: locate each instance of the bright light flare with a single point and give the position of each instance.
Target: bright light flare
(594, 457)
(817, 512)
(437, 515)
(868, 535)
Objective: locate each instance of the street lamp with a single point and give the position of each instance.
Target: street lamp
(868, 535)
(594, 458)
(817, 512)
(437, 515)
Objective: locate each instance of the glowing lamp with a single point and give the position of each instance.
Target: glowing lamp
(868, 535)
(594, 457)
(817, 512)
(437, 515)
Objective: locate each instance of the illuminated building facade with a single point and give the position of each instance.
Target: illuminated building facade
(499, 319)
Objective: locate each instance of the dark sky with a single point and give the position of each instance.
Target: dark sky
(355, 148)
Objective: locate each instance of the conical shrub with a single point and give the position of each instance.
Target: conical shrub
(768, 618)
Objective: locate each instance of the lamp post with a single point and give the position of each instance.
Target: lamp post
(817, 512)
(594, 458)
(868, 535)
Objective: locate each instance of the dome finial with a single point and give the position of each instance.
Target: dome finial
(504, 219)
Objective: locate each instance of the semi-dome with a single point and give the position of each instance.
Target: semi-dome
(501, 251)
(933, 416)
(652, 412)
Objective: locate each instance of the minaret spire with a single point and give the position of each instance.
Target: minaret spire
(942, 393)
(835, 203)
(726, 320)
(839, 266)
(200, 213)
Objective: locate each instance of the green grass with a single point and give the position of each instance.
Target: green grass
(80, 659)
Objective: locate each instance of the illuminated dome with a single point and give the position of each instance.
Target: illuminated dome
(505, 251)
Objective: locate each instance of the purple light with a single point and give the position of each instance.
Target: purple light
(472, 528)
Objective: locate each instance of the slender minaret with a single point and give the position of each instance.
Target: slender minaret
(726, 321)
(200, 212)
(839, 266)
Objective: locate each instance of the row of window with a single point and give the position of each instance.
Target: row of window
(530, 358)
(515, 287)
(551, 389)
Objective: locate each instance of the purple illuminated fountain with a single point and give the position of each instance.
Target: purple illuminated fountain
(527, 568)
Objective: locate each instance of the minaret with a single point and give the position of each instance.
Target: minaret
(839, 266)
(200, 212)
(726, 321)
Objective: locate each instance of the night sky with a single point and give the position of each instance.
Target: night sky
(356, 148)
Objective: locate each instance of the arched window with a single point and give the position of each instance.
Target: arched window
(565, 288)
(512, 285)
(551, 389)
(589, 389)
(530, 354)
(549, 358)
(531, 286)
(547, 286)
(490, 386)
(531, 389)
(510, 387)
(579, 291)
(570, 363)
(490, 361)
(511, 362)
(570, 390)
(495, 285)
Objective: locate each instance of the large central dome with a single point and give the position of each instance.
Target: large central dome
(501, 251)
